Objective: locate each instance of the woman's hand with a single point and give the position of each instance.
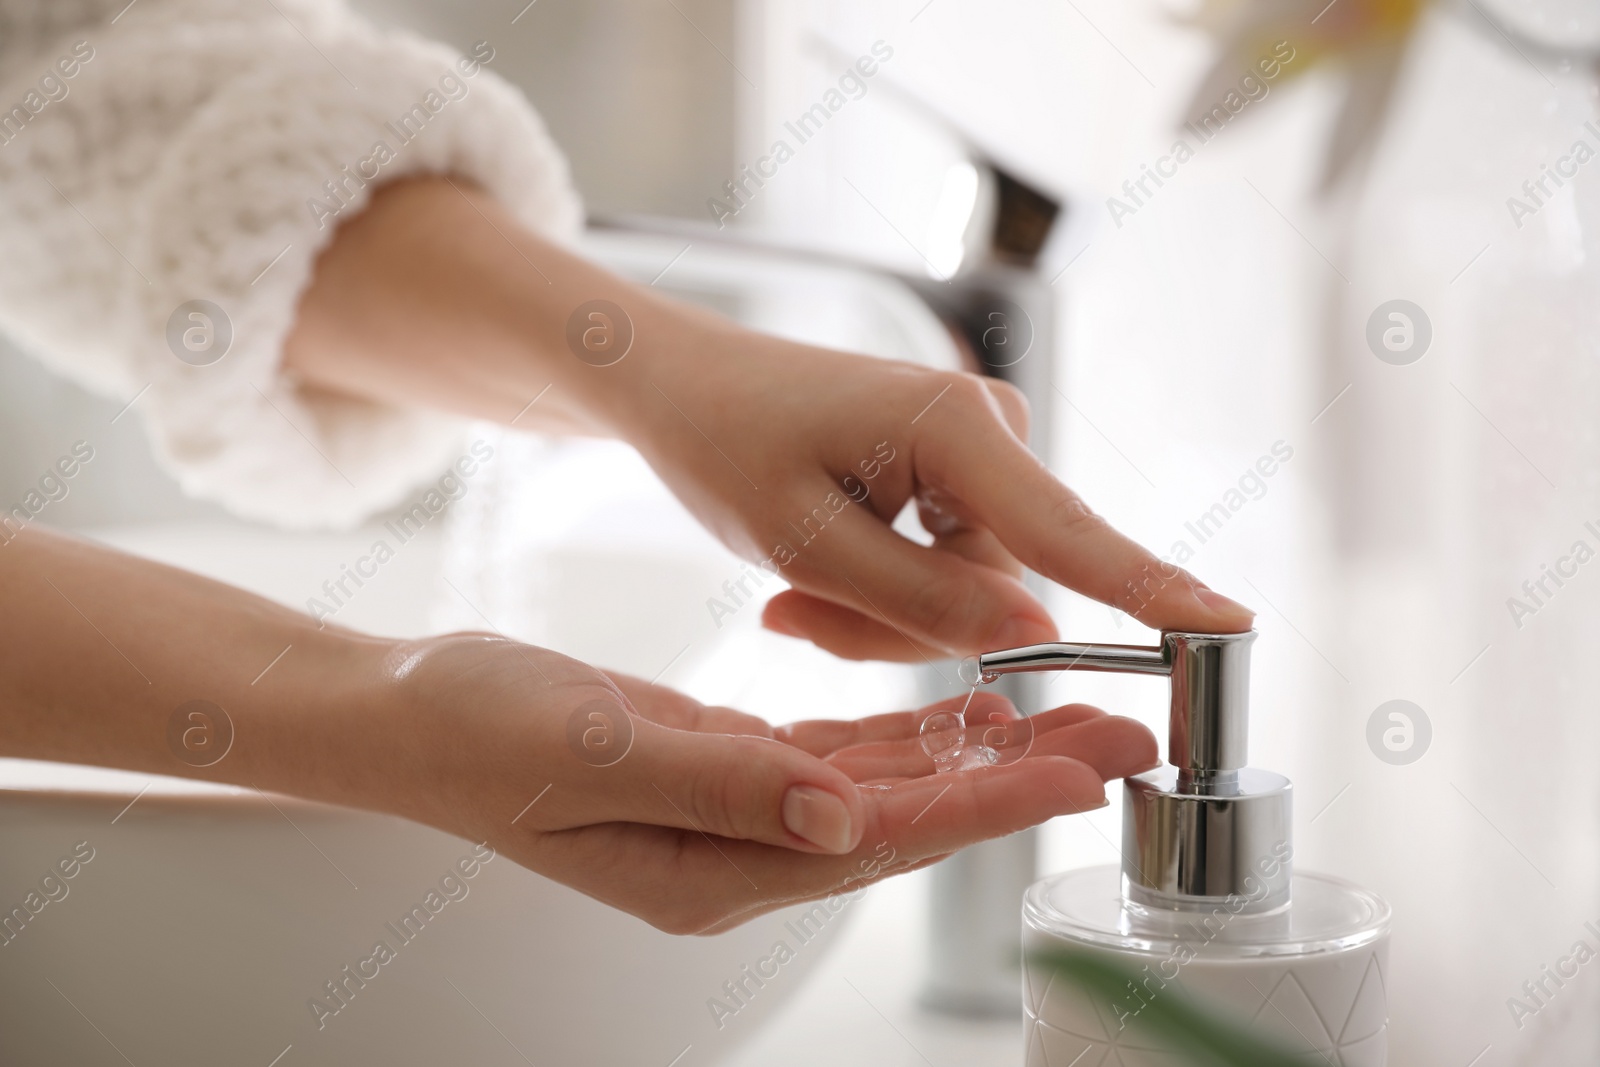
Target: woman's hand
(699, 818)
(798, 458)
(694, 818)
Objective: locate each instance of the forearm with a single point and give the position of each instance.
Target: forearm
(99, 650)
(435, 297)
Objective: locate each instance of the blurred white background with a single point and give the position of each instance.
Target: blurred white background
(1226, 315)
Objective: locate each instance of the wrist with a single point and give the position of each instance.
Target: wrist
(450, 720)
(326, 726)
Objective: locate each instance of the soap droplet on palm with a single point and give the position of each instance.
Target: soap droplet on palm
(944, 738)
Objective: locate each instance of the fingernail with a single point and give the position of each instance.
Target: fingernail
(1077, 803)
(1220, 604)
(1103, 802)
(1019, 630)
(819, 817)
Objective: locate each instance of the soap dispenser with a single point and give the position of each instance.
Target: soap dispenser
(1206, 906)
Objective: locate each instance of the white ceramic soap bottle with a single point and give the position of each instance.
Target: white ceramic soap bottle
(1205, 909)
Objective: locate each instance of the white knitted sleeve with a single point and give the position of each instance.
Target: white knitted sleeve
(203, 150)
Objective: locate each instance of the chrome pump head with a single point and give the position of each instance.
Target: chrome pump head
(1206, 830)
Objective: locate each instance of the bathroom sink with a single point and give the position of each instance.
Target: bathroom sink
(205, 924)
(204, 927)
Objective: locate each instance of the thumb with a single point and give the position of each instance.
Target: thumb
(744, 787)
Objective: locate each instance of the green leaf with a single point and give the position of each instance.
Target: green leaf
(1211, 1041)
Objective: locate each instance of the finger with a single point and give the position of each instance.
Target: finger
(672, 708)
(1115, 747)
(685, 884)
(823, 736)
(1013, 405)
(715, 719)
(953, 525)
(956, 528)
(953, 532)
(883, 762)
(1049, 527)
(843, 631)
(983, 718)
(932, 816)
(937, 598)
(691, 883)
(727, 786)
(1054, 718)
(946, 812)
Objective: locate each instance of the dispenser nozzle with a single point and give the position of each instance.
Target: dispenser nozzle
(1209, 714)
